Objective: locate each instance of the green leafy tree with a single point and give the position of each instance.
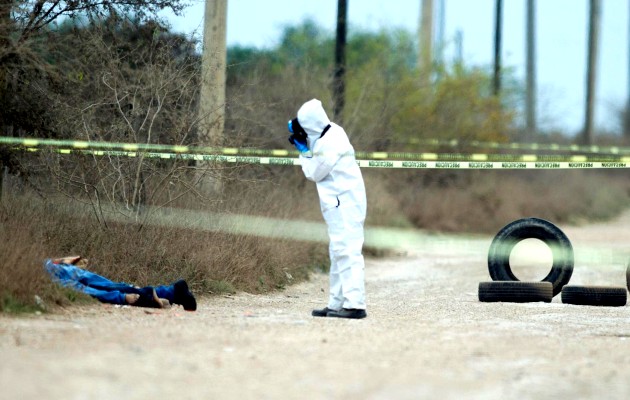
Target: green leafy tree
(459, 106)
(385, 104)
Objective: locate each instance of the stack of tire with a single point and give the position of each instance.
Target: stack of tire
(506, 287)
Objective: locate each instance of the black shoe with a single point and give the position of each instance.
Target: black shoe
(148, 298)
(183, 296)
(353, 313)
(321, 312)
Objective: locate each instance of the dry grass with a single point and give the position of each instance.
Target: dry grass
(484, 201)
(33, 228)
(213, 262)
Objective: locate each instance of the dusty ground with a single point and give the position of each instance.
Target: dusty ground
(426, 336)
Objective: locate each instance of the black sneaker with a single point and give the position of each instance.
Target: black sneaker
(148, 298)
(321, 312)
(183, 296)
(352, 313)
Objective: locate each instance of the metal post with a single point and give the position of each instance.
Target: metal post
(498, 31)
(530, 102)
(339, 87)
(591, 69)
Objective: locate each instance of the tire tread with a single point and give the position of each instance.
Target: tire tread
(608, 296)
(515, 291)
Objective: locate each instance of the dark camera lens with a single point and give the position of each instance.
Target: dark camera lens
(296, 128)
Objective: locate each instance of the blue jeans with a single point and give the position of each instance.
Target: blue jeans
(99, 287)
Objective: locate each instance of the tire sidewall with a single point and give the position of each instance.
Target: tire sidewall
(531, 228)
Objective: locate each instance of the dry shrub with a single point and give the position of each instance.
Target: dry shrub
(484, 201)
(383, 204)
(34, 229)
(21, 272)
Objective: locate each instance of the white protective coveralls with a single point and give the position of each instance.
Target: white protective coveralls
(331, 164)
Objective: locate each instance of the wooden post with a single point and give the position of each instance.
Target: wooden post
(213, 60)
(425, 40)
(212, 92)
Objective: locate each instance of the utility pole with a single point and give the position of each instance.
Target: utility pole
(530, 101)
(212, 92)
(591, 68)
(213, 61)
(339, 85)
(459, 47)
(425, 40)
(439, 58)
(626, 124)
(498, 32)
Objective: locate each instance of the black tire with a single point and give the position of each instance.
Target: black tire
(595, 296)
(531, 228)
(515, 292)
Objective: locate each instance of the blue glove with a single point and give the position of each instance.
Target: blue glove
(300, 146)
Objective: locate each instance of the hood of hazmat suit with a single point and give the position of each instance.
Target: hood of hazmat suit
(332, 164)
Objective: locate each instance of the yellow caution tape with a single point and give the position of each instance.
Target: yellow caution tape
(521, 146)
(528, 161)
(189, 150)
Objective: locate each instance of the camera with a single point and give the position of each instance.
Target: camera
(298, 134)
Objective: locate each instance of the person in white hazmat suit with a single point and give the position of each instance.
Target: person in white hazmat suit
(327, 158)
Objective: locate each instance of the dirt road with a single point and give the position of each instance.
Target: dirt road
(426, 336)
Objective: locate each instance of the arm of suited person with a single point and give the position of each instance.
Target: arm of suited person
(319, 166)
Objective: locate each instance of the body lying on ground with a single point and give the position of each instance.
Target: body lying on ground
(71, 272)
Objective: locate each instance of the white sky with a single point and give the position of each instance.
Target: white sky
(562, 31)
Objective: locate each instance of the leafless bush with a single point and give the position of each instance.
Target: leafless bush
(147, 92)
